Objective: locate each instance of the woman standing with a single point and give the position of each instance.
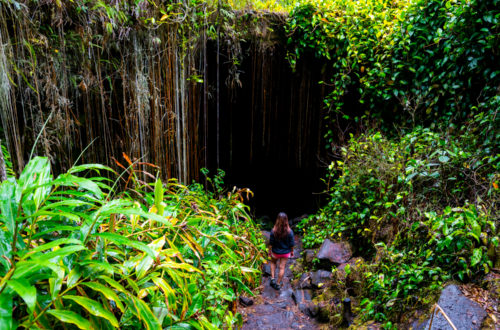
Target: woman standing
(281, 245)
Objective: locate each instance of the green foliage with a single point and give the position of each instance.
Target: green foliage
(366, 195)
(74, 255)
(422, 208)
(451, 245)
(410, 60)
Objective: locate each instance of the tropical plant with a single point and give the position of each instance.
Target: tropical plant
(71, 254)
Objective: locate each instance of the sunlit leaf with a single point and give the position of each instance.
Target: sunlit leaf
(93, 307)
(70, 317)
(107, 292)
(25, 290)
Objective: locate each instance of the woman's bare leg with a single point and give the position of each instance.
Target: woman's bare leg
(273, 266)
(282, 264)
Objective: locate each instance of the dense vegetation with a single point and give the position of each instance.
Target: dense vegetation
(417, 190)
(413, 129)
(76, 250)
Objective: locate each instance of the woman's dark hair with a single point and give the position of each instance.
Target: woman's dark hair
(281, 227)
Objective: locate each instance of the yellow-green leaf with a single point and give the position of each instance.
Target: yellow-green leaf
(107, 292)
(70, 317)
(94, 308)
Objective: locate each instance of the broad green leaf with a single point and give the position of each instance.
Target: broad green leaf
(145, 314)
(8, 205)
(36, 174)
(444, 159)
(25, 290)
(176, 265)
(167, 291)
(27, 268)
(133, 285)
(477, 254)
(160, 313)
(242, 285)
(55, 283)
(98, 266)
(51, 245)
(5, 248)
(6, 322)
(69, 180)
(121, 240)
(159, 196)
(73, 277)
(113, 283)
(85, 167)
(146, 262)
(70, 317)
(196, 305)
(94, 308)
(59, 252)
(55, 229)
(107, 292)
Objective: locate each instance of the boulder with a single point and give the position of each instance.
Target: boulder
(333, 254)
(244, 301)
(353, 263)
(309, 256)
(305, 281)
(309, 308)
(320, 277)
(463, 312)
(301, 296)
(324, 312)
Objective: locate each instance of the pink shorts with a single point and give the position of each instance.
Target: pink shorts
(277, 256)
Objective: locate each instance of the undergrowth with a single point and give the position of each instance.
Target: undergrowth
(421, 209)
(77, 251)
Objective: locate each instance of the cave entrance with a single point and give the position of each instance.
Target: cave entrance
(268, 131)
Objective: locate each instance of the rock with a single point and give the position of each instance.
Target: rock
(244, 301)
(324, 312)
(464, 313)
(333, 254)
(267, 236)
(312, 309)
(301, 296)
(309, 309)
(353, 263)
(309, 256)
(305, 281)
(320, 277)
(286, 294)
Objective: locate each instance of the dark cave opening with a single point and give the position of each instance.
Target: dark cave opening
(271, 128)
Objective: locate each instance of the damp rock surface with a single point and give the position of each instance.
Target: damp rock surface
(463, 312)
(276, 309)
(333, 254)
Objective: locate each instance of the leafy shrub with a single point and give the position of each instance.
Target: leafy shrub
(73, 255)
(364, 198)
(422, 208)
(415, 61)
(452, 245)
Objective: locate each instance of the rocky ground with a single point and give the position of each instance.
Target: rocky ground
(301, 303)
(274, 309)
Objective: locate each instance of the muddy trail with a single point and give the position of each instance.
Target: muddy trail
(278, 309)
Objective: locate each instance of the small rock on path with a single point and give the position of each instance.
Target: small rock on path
(275, 309)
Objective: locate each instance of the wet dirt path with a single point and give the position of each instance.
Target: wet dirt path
(276, 309)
